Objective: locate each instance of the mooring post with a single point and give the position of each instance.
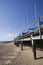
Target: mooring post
(21, 45)
(33, 47)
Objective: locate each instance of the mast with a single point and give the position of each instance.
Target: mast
(27, 19)
(35, 10)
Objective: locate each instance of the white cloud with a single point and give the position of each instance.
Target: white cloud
(8, 36)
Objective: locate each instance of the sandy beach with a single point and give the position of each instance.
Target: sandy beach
(13, 55)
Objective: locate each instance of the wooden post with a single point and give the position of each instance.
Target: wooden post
(33, 47)
(21, 45)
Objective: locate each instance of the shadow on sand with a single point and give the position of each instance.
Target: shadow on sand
(39, 58)
(39, 46)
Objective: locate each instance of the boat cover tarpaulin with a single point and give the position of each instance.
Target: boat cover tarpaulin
(23, 33)
(33, 28)
(41, 22)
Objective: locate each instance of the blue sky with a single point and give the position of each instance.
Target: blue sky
(16, 15)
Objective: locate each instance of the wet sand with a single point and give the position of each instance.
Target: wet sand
(13, 55)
